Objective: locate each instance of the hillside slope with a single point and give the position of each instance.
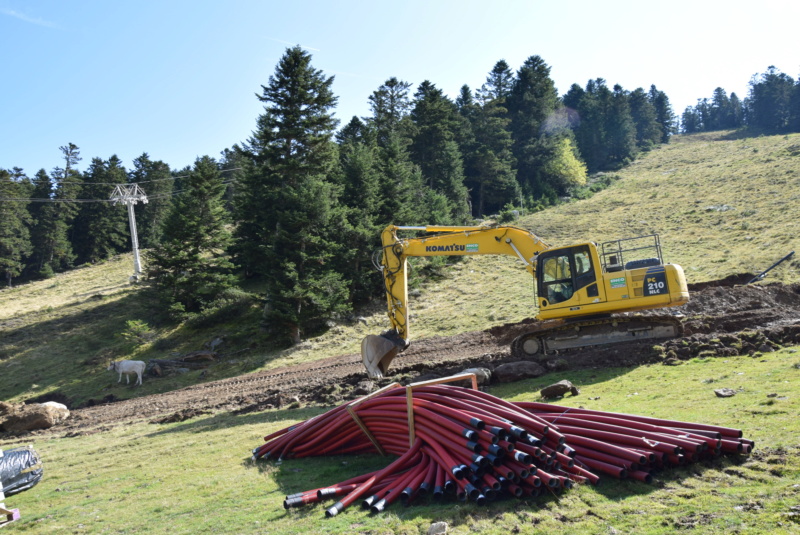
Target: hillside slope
(721, 205)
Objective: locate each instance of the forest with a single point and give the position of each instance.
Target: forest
(298, 206)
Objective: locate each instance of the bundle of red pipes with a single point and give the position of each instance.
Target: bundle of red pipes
(480, 447)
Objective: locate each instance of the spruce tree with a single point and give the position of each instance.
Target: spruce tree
(401, 185)
(690, 121)
(620, 129)
(361, 199)
(190, 266)
(100, 228)
(532, 100)
(643, 113)
(156, 180)
(664, 114)
(53, 220)
(15, 243)
(489, 161)
(435, 149)
(499, 82)
(287, 206)
(770, 100)
(41, 213)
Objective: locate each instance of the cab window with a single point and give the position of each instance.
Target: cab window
(557, 278)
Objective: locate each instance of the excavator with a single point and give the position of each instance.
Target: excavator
(582, 290)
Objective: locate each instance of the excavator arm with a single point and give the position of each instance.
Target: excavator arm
(377, 352)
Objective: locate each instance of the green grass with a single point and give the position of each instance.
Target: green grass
(197, 476)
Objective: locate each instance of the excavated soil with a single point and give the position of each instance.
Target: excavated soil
(723, 318)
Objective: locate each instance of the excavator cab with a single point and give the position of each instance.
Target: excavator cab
(565, 271)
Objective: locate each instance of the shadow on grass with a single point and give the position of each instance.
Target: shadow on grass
(63, 352)
(228, 419)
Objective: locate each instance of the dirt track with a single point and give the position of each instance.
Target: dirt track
(720, 320)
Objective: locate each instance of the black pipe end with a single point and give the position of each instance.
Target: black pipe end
(477, 424)
(449, 486)
(519, 433)
(424, 489)
(494, 459)
(473, 446)
(438, 492)
(472, 491)
(379, 506)
(325, 493)
(367, 503)
(480, 499)
(334, 510)
(405, 496)
(457, 472)
(469, 434)
(288, 503)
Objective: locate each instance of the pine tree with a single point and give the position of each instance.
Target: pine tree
(361, 200)
(156, 180)
(499, 82)
(53, 220)
(489, 161)
(100, 229)
(737, 109)
(435, 150)
(664, 114)
(390, 105)
(620, 129)
(770, 100)
(643, 113)
(41, 213)
(690, 121)
(287, 206)
(532, 100)
(592, 105)
(190, 266)
(401, 185)
(15, 243)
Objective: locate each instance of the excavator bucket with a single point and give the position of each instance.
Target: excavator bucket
(377, 352)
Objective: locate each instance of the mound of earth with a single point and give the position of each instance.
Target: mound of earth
(720, 320)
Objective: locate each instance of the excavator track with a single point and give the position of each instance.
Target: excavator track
(548, 337)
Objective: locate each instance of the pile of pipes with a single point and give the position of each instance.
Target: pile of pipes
(467, 443)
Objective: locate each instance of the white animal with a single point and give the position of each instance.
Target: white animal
(127, 367)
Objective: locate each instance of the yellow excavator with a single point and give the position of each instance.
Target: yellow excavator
(581, 289)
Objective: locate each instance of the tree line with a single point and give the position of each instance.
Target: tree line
(300, 203)
(771, 106)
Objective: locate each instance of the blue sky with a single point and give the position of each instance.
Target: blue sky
(177, 78)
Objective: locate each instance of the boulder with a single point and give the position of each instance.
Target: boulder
(438, 528)
(33, 417)
(559, 389)
(724, 392)
(516, 371)
(482, 375)
(6, 408)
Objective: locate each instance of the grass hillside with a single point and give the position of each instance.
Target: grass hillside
(722, 205)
